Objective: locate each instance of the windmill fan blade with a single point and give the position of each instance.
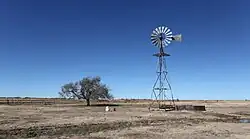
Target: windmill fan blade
(159, 28)
(156, 44)
(165, 29)
(154, 41)
(153, 34)
(169, 33)
(158, 32)
(162, 28)
(164, 43)
(154, 31)
(169, 38)
(168, 41)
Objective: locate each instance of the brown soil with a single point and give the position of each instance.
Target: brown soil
(221, 120)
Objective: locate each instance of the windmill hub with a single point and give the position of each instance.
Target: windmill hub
(162, 36)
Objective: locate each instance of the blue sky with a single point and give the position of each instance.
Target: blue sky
(47, 43)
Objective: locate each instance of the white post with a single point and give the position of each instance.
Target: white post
(107, 108)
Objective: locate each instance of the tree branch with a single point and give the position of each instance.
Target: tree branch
(78, 96)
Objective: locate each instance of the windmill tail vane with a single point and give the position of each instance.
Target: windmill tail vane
(177, 37)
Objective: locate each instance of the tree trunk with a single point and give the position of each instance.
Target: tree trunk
(88, 102)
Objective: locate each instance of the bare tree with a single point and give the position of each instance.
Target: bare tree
(87, 88)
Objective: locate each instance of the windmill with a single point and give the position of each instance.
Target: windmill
(161, 37)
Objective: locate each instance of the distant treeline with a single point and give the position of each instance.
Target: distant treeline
(50, 101)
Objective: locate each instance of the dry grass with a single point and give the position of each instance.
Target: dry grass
(133, 120)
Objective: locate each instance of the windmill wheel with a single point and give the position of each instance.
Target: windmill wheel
(161, 36)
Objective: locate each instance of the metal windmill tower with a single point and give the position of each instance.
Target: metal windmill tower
(161, 37)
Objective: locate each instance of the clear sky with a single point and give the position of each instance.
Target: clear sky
(47, 43)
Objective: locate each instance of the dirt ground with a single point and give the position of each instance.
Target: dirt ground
(220, 120)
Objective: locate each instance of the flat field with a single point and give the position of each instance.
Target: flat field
(130, 121)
